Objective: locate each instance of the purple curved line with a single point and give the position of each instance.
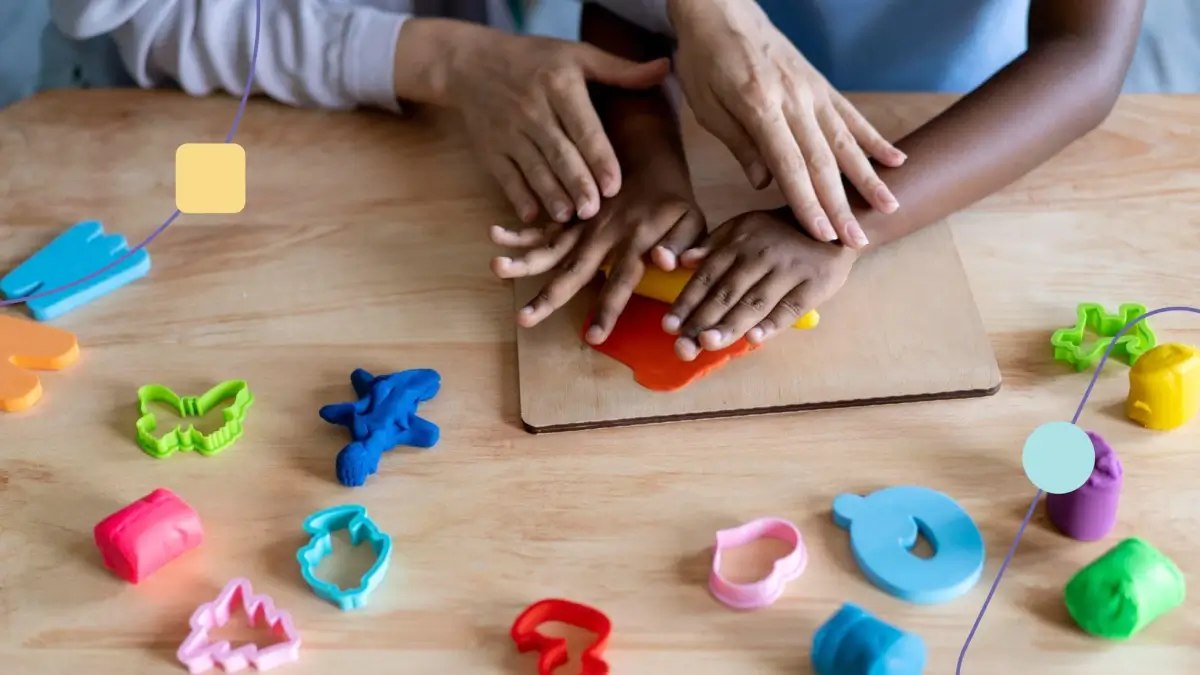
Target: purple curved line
(1033, 505)
(170, 219)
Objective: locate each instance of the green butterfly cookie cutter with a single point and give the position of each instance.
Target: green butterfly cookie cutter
(1069, 345)
(191, 438)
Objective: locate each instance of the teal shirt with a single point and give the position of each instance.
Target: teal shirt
(904, 45)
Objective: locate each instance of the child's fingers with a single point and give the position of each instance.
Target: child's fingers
(543, 181)
(827, 178)
(568, 167)
(866, 134)
(720, 301)
(697, 289)
(576, 270)
(749, 312)
(682, 235)
(853, 161)
(578, 115)
(528, 237)
(539, 260)
(798, 302)
(618, 288)
(513, 183)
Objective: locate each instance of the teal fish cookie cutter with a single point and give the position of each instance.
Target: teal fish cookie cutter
(354, 519)
(1069, 344)
(883, 529)
(191, 438)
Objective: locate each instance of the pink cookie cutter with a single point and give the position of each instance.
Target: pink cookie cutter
(200, 654)
(758, 594)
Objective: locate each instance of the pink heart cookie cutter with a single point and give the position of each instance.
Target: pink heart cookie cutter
(199, 654)
(766, 591)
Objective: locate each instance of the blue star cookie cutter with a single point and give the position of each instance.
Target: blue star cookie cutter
(883, 529)
(354, 519)
(383, 417)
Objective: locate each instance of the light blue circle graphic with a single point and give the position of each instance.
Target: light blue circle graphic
(1058, 457)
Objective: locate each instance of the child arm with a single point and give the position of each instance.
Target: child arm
(1064, 86)
(311, 52)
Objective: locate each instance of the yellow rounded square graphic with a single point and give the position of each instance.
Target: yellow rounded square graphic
(210, 178)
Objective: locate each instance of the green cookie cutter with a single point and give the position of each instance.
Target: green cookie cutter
(191, 439)
(1091, 316)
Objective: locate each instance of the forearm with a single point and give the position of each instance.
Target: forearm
(1063, 87)
(310, 53)
(641, 125)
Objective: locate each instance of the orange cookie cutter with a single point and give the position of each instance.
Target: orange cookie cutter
(552, 651)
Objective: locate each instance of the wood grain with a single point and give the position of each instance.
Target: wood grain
(363, 244)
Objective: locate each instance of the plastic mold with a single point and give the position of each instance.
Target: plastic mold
(354, 519)
(199, 654)
(191, 439)
(552, 651)
(1069, 345)
(766, 591)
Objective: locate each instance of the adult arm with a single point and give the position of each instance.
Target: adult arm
(1064, 86)
(311, 52)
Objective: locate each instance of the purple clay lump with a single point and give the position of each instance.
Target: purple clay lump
(1089, 513)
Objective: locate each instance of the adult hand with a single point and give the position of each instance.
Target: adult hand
(755, 275)
(526, 106)
(653, 217)
(751, 88)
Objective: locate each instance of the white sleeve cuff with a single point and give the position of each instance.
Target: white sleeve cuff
(369, 57)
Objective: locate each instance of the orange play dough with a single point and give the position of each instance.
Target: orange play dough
(28, 344)
(639, 342)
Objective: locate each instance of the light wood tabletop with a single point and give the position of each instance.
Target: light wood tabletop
(363, 244)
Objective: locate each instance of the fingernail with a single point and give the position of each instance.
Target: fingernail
(757, 173)
(685, 349)
(594, 335)
(609, 185)
(826, 229)
(562, 212)
(586, 208)
(755, 335)
(885, 195)
(528, 213)
(670, 324)
(712, 340)
(856, 234)
(527, 310)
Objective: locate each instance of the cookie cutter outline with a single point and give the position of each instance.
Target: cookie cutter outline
(1068, 342)
(764, 592)
(552, 651)
(354, 519)
(198, 655)
(191, 439)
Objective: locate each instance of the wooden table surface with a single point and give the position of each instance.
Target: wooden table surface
(364, 244)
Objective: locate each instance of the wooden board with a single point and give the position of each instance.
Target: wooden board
(904, 328)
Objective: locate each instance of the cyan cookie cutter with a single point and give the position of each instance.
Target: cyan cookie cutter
(764, 592)
(883, 529)
(354, 519)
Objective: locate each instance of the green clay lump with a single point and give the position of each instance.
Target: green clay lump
(1124, 590)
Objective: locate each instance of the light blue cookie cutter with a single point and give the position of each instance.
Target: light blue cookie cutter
(883, 529)
(354, 519)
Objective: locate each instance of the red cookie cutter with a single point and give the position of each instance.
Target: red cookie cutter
(552, 651)
(149, 533)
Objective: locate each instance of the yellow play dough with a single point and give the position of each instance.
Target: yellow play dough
(1164, 387)
(666, 286)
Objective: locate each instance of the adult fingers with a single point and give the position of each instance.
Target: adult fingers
(775, 140)
(718, 122)
(575, 271)
(854, 163)
(826, 177)
(568, 166)
(610, 69)
(539, 260)
(795, 304)
(750, 311)
(514, 186)
(582, 124)
(542, 179)
(866, 134)
(618, 288)
(683, 234)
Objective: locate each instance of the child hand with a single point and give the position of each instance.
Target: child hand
(756, 275)
(526, 106)
(645, 217)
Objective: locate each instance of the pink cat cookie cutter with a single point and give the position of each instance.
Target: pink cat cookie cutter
(199, 654)
(764, 592)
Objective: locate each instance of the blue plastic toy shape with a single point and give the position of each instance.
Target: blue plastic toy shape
(383, 417)
(852, 642)
(883, 530)
(321, 525)
(81, 251)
